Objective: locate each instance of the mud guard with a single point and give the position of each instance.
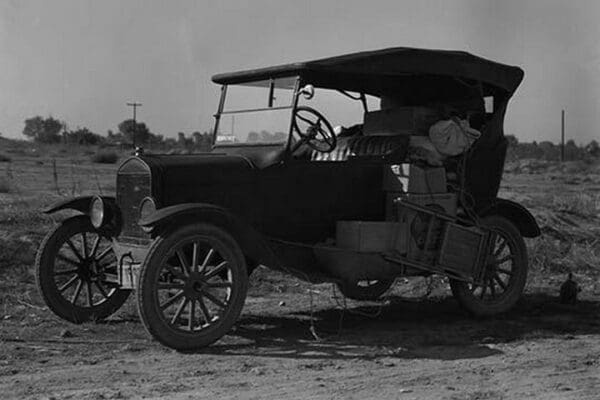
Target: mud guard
(81, 204)
(253, 244)
(516, 213)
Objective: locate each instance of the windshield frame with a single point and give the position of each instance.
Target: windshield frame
(221, 111)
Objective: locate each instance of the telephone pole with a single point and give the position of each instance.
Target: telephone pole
(562, 136)
(135, 106)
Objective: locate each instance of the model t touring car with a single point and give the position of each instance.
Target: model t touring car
(404, 184)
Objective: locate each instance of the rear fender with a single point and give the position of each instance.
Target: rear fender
(81, 204)
(252, 243)
(516, 213)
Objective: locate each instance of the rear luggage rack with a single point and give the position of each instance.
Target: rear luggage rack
(452, 245)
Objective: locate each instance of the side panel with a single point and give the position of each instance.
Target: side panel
(302, 200)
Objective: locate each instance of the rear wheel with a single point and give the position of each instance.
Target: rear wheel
(505, 272)
(365, 289)
(193, 285)
(73, 267)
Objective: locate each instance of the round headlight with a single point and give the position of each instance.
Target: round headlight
(97, 212)
(147, 207)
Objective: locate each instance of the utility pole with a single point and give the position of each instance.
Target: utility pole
(562, 136)
(135, 106)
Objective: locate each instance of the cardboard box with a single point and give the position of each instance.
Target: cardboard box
(399, 121)
(426, 179)
(371, 236)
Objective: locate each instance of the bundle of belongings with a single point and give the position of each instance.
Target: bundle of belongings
(431, 138)
(447, 137)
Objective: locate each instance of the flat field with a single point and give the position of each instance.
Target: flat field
(301, 341)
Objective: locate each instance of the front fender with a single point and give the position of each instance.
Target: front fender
(516, 213)
(253, 244)
(167, 214)
(81, 204)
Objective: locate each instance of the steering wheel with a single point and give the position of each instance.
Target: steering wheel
(317, 133)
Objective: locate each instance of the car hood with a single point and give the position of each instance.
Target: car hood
(195, 177)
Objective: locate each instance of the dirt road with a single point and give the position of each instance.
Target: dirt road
(404, 349)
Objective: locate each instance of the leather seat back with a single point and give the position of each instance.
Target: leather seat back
(364, 146)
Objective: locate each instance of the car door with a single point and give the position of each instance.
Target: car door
(303, 199)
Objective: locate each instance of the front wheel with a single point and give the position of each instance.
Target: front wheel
(73, 269)
(192, 287)
(505, 272)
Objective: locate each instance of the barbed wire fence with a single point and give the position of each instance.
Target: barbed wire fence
(29, 180)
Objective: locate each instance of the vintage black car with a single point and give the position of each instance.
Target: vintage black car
(357, 205)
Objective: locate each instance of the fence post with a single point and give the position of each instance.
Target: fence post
(55, 176)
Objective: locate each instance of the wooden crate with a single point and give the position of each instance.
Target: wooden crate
(463, 249)
(371, 236)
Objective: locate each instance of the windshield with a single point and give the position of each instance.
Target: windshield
(257, 112)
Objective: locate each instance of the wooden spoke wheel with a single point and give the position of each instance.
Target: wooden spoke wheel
(366, 289)
(76, 270)
(193, 286)
(505, 272)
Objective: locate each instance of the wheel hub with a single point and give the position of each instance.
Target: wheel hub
(88, 270)
(195, 286)
(489, 271)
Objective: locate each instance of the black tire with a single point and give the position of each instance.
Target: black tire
(505, 273)
(365, 290)
(171, 287)
(65, 271)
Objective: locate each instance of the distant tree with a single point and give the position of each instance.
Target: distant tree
(202, 141)
(84, 136)
(129, 128)
(253, 137)
(169, 142)
(279, 137)
(34, 127)
(157, 139)
(512, 140)
(572, 152)
(197, 137)
(43, 130)
(549, 151)
(181, 138)
(593, 149)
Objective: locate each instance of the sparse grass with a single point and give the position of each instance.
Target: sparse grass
(5, 186)
(552, 255)
(581, 204)
(5, 158)
(105, 157)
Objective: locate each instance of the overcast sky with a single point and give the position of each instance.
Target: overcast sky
(82, 60)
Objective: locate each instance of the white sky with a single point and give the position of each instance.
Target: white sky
(82, 60)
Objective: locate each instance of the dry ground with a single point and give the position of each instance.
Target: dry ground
(412, 345)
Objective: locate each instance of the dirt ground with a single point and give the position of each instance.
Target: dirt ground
(301, 341)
